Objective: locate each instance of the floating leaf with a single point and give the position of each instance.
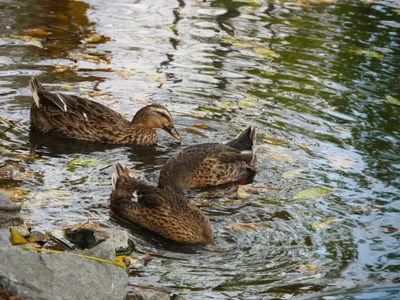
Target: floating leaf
(123, 74)
(235, 42)
(323, 224)
(200, 126)
(292, 173)
(8, 122)
(16, 238)
(94, 39)
(159, 78)
(147, 257)
(388, 229)
(83, 163)
(341, 128)
(47, 197)
(243, 226)
(278, 157)
(248, 102)
(304, 147)
(28, 39)
(60, 68)
(265, 52)
(311, 268)
(226, 105)
(241, 192)
(15, 193)
(273, 140)
(83, 226)
(342, 162)
(393, 100)
(37, 32)
(368, 53)
(312, 193)
(37, 236)
(67, 87)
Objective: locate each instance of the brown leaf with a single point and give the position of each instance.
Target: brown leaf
(15, 194)
(95, 39)
(388, 229)
(83, 226)
(243, 226)
(341, 128)
(60, 68)
(37, 32)
(37, 236)
(147, 257)
(278, 157)
(200, 125)
(342, 162)
(311, 268)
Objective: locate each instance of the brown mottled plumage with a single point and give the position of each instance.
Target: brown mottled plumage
(82, 119)
(160, 210)
(203, 165)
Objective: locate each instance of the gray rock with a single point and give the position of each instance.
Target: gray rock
(4, 238)
(59, 276)
(178, 297)
(146, 294)
(99, 240)
(11, 219)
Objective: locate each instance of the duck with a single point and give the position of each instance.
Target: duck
(159, 210)
(212, 164)
(78, 118)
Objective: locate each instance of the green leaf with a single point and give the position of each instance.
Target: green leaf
(393, 100)
(265, 52)
(248, 102)
(292, 173)
(312, 193)
(226, 105)
(323, 224)
(368, 53)
(235, 43)
(73, 164)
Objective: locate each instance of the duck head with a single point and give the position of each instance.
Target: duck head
(156, 116)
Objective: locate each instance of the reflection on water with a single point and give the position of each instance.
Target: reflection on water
(314, 78)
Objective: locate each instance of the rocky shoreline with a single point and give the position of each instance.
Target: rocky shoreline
(30, 273)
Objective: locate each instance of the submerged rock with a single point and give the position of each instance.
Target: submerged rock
(11, 219)
(62, 276)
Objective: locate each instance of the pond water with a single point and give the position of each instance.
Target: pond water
(320, 81)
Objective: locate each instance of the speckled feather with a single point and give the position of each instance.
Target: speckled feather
(82, 119)
(203, 165)
(160, 210)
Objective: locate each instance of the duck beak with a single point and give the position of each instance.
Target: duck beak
(173, 132)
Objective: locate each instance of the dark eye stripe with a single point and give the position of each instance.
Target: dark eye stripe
(164, 115)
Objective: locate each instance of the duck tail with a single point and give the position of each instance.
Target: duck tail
(246, 140)
(36, 87)
(122, 173)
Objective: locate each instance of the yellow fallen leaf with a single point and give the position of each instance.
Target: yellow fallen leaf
(127, 260)
(60, 68)
(115, 263)
(16, 238)
(37, 32)
(323, 224)
(226, 105)
(278, 157)
(243, 226)
(159, 78)
(30, 40)
(341, 128)
(123, 74)
(15, 193)
(83, 226)
(241, 192)
(67, 87)
(93, 39)
(265, 52)
(342, 162)
(311, 268)
(200, 126)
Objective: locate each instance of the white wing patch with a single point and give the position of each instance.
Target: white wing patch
(85, 116)
(114, 181)
(135, 196)
(35, 97)
(62, 101)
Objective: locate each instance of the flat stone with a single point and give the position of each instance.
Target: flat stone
(11, 219)
(35, 275)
